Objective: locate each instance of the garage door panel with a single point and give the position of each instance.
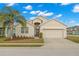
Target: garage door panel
(53, 33)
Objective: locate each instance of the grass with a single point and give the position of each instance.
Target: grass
(3, 40)
(33, 42)
(73, 38)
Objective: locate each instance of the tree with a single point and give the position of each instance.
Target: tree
(10, 16)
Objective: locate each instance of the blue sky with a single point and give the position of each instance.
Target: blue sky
(68, 13)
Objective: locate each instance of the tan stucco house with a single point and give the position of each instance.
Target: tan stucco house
(49, 28)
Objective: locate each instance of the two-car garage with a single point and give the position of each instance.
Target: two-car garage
(54, 29)
(53, 33)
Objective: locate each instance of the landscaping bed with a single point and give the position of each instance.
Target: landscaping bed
(21, 42)
(30, 40)
(25, 41)
(74, 38)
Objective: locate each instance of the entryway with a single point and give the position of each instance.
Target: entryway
(37, 29)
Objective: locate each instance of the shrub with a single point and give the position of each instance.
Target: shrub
(40, 35)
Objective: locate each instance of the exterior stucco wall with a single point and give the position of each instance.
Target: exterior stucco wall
(54, 25)
(30, 31)
(65, 33)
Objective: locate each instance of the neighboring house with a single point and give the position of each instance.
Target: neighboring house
(73, 30)
(49, 28)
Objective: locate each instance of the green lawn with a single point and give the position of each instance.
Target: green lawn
(73, 38)
(3, 40)
(33, 42)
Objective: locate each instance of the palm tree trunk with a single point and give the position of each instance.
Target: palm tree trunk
(11, 29)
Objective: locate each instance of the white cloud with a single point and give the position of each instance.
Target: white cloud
(24, 12)
(76, 8)
(32, 12)
(48, 14)
(65, 4)
(35, 12)
(72, 22)
(57, 16)
(45, 14)
(31, 18)
(29, 7)
(10, 4)
(42, 13)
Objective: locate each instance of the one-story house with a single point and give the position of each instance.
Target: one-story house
(74, 30)
(48, 28)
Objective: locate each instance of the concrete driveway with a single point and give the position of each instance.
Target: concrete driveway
(52, 47)
(60, 43)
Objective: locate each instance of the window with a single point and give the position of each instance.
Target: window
(24, 29)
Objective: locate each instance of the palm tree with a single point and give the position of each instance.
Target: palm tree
(11, 16)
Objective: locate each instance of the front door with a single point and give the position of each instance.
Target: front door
(37, 29)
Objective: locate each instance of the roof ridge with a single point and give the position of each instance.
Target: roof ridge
(60, 22)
